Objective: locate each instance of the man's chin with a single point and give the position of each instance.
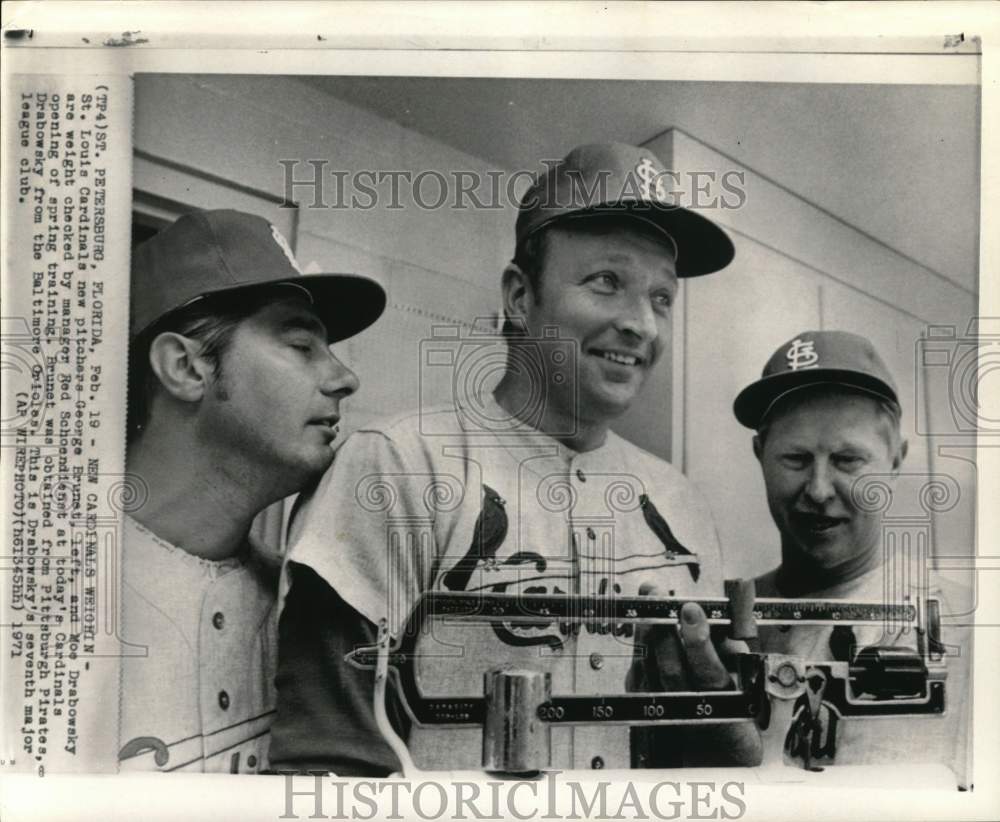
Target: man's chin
(314, 465)
(823, 551)
(324, 460)
(608, 405)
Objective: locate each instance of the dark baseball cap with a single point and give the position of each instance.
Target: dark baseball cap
(815, 358)
(225, 252)
(615, 178)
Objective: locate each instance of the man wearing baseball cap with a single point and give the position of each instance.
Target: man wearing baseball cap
(233, 405)
(523, 490)
(826, 414)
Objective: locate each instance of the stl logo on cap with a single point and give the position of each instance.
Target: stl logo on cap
(802, 354)
(283, 245)
(652, 181)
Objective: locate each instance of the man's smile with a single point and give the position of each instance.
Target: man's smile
(618, 357)
(816, 523)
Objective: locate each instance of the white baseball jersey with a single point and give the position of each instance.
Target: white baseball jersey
(430, 501)
(197, 690)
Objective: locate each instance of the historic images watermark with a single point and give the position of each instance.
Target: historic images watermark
(957, 410)
(956, 365)
(313, 184)
(462, 365)
(319, 796)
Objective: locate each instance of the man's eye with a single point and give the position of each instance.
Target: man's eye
(849, 461)
(663, 299)
(606, 282)
(794, 460)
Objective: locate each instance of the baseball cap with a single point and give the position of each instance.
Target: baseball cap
(208, 253)
(616, 178)
(815, 358)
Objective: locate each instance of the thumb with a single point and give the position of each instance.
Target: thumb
(707, 670)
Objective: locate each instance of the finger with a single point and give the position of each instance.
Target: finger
(642, 675)
(664, 657)
(707, 670)
(665, 664)
(729, 650)
(644, 649)
(636, 678)
(658, 660)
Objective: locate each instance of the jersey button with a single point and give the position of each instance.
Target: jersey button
(596, 661)
(218, 620)
(223, 700)
(580, 475)
(597, 763)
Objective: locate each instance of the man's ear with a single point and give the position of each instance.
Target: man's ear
(897, 460)
(175, 361)
(517, 292)
(758, 447)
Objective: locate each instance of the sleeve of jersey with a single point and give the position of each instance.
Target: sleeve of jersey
(365, 531)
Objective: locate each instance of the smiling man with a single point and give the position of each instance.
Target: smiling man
(827, 418)
(826, 415)
(609, 285)
(233, 404)
(524, 490)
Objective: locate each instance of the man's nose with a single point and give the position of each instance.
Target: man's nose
(338, 379)
(819, 487)
(639, 320)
